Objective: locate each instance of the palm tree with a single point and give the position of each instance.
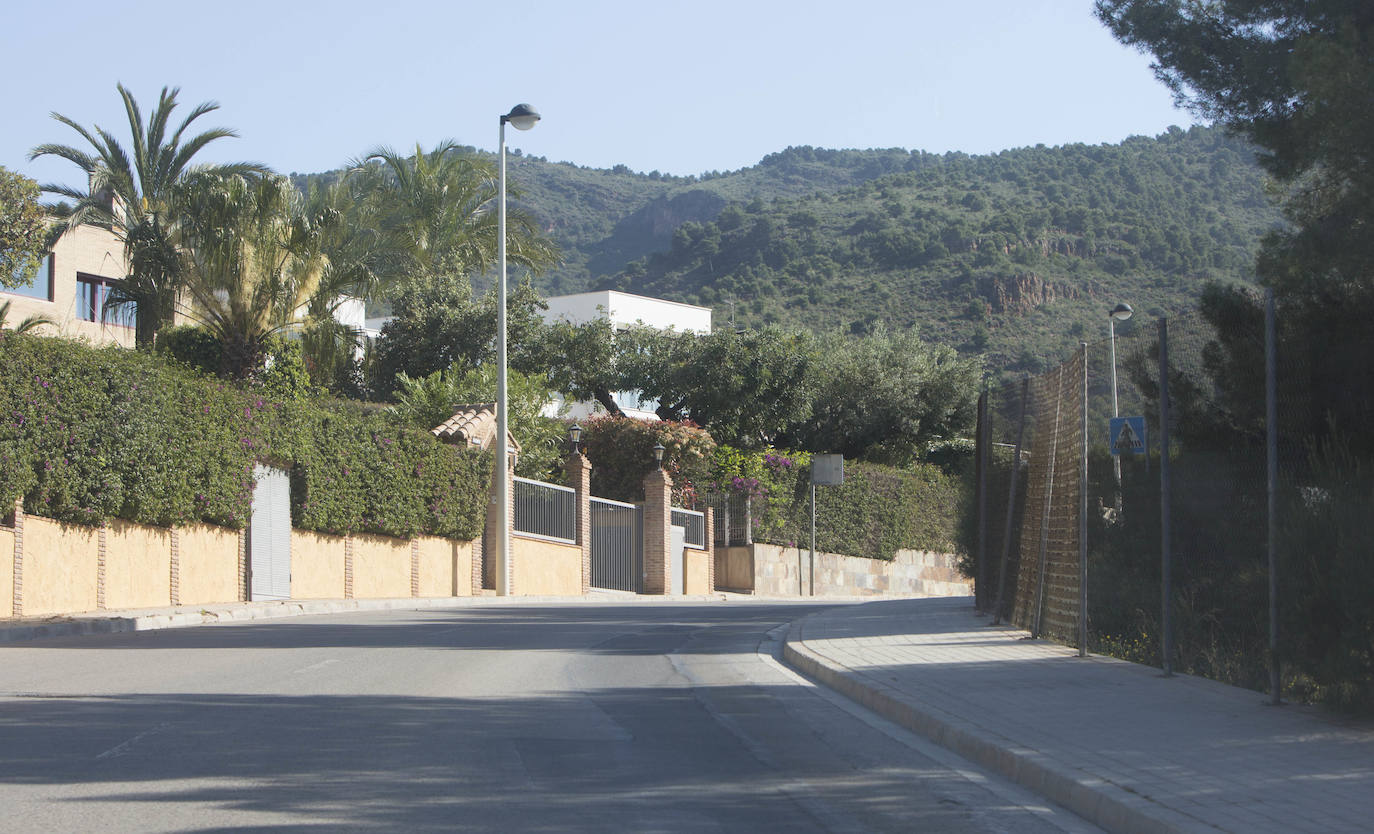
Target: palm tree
(436, 208)
(253, 261)
(129, 194)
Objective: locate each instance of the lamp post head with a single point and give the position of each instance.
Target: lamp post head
(521, 117)
(1121, 312)
(574, 435)
(658, 454)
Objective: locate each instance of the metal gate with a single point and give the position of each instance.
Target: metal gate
(617, 545)
(269, 535)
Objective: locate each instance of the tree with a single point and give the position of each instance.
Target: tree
(130, 195)
(251, 260)
(22, 229)
(436, 208)
(428, 401)
(885, 395)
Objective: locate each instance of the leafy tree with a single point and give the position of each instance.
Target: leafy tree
(886, 395)
(131, 194)
(583, 362)
(22, 229)
(427, 401)
(252, 260)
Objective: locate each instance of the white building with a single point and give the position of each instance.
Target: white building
(624, 311)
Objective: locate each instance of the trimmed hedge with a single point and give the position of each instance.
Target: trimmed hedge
(88, 435)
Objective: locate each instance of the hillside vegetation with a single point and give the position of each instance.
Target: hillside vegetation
(1015, 255)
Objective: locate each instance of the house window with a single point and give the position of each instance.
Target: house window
(92, 292)
(41, 285)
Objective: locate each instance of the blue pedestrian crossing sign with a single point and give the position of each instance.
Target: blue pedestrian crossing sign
(1128, 435)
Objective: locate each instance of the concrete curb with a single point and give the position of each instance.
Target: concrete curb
(118, 622)
(1094, 799)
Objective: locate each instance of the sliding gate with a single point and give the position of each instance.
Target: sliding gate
(617, 545)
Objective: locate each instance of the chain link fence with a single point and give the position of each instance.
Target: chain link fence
(1233, 542)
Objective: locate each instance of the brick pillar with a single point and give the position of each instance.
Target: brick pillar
(18, 598)
(243, 565)
(348, 566)
(174, 580)
(475, 579)
(579, 471)
(658, 506)
(100, 549)
(710, 550)
(414, 567)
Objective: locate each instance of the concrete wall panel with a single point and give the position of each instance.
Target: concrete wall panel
(138, 566)
(61, 565)
(317, 565)
(698, 571)
(543, 568)
(208, 567)
(381, 567)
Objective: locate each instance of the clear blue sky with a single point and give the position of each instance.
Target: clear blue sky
(678, 87)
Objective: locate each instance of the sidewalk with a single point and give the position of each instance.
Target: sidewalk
(1115, 742)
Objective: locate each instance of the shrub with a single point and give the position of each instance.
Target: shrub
(621, 452)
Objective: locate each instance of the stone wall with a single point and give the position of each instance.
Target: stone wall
(786, 571)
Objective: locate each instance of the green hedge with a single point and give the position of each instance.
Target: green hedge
(89, 435)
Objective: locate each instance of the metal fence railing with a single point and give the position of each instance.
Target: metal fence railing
(545, 510)
(733, 523)
(694, 525)
(617, 545)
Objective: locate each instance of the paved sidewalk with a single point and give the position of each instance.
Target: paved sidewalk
(1115, 742)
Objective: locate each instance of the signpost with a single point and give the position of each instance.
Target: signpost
(1128, 436)
(826, 470)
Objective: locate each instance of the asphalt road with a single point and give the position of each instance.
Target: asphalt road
(629, 717)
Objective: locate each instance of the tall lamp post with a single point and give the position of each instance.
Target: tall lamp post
(1120, 312)
(521, 117)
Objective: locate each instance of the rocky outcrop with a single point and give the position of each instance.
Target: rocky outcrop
(1021, 293)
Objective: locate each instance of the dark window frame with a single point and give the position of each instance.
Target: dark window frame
(48, 266)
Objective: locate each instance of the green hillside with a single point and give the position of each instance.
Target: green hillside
(1016, 254)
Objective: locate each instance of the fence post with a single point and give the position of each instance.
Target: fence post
(1165, 546)
(980, 585)
(1083, 518)
(1049, 505)
(579, 471)
(1271, 410)
(658, 504)
(710, 522)
(1011, 504)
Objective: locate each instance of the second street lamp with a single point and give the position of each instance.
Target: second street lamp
(521, 117)
(1120, 312)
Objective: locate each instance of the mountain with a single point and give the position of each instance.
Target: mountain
(1017, 255)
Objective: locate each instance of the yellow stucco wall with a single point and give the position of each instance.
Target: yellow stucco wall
(6, 572)
(61, 565)
(381, 567)
(317, 565)
(735, 568)
(138, 566)
(543, 568)
(445, 567)
(208, 564)
(698, 571)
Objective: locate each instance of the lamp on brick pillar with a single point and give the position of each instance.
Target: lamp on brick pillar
(579, 471)
(658, 536)
(574, 436)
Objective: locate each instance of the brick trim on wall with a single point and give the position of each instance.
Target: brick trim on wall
(348, 566)
(174, 568)
(475, 588)
(243, 565)
(101, 542)
(414, 567)
(18, 597)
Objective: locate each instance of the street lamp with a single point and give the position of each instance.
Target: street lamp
(658, 455)
(574, 435)
(1120, 312)
(521, 117)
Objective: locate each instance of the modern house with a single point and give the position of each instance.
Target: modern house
(624, 310)
(71, 288)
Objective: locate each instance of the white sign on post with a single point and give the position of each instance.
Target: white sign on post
(827, 470)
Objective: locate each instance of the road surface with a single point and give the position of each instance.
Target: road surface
(584, 717)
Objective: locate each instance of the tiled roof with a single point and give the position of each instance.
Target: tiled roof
(472, 425)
